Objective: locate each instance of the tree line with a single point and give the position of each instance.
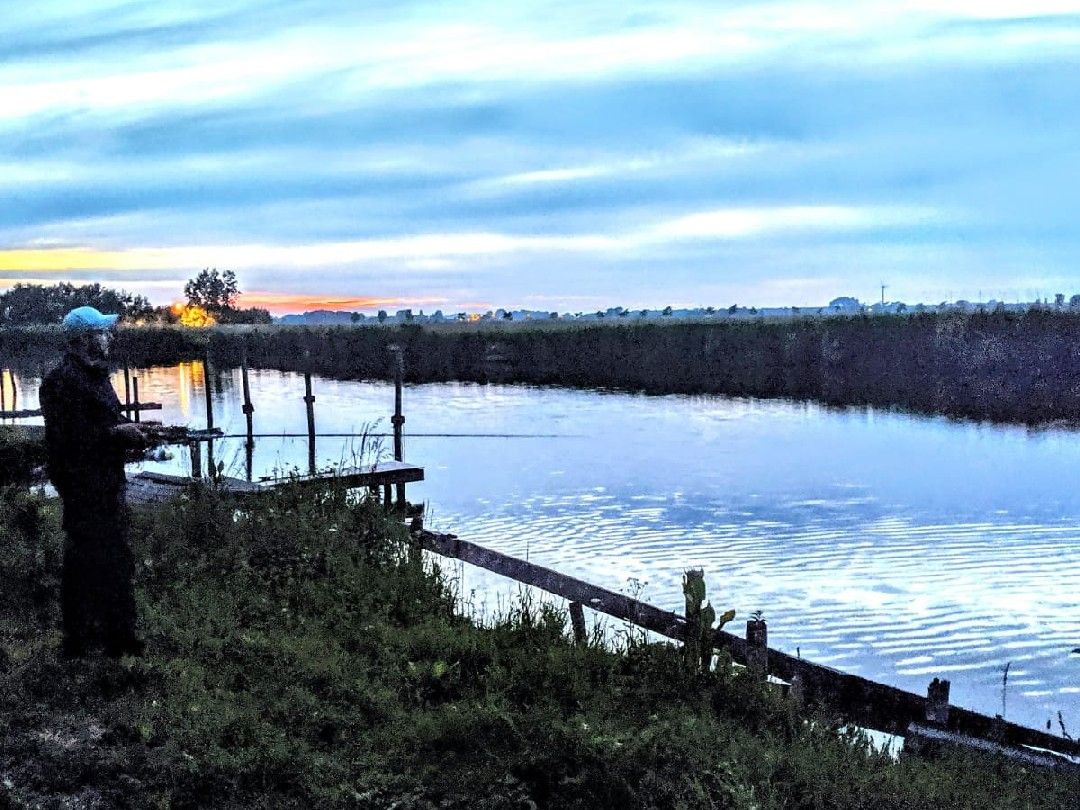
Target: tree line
(210, 291)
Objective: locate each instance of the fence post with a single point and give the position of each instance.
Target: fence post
(398, 419)
(127, 388)
(757, 653)
(577, 620)
(135, 405)
(937, 702)
(248, 409)
(211, 472)
(3, 391)
(309, 400)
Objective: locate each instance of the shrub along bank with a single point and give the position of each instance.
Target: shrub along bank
(1018, 367)
(301, 654)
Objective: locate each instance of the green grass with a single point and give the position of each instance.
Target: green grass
(303, 654)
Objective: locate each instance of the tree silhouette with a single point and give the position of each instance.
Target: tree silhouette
(212, 291)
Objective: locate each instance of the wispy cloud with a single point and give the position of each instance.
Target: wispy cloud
(482, 151)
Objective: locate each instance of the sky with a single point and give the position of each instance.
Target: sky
(562, 155)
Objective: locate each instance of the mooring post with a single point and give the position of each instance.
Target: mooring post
(309, 400)
(757, 653)
(135, 405)
(577, 620)
(127, 387)
(249, 409)
(398, 419)
(937, 702)
(210, 471)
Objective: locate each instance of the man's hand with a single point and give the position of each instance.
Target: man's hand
(131, 434)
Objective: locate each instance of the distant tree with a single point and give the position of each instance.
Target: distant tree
(37, 303)
(667, 311)
(753, 310)
(643, 313)
(355, 317)
(710, 310)
(901, 307)
(1074, 301)
(212, 291)
(599, 313)
(795, 310)
(1059, 300)
(382, 316)
(554, 316)
(508, 315)
(732, 309)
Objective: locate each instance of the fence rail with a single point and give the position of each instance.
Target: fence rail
(859, 700)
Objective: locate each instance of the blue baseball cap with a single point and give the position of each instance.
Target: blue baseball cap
(88, 319)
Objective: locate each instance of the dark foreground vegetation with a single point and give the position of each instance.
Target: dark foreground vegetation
(301, 654)
(1014, 367)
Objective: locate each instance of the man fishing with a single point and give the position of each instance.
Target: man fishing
(87, 439)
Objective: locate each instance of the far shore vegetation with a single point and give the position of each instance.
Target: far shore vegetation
(1019, 367)
(302, 652)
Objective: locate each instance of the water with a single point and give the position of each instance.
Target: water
(900, 548)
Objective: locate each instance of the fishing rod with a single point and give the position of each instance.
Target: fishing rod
(404, 435)
(182, 435)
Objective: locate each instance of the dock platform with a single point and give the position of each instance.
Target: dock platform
(147, 487)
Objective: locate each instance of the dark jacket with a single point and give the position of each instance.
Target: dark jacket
(85, 459)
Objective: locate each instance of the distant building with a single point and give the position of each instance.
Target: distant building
(845, 304)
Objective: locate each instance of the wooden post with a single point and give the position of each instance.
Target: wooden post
(757, 653)
(14, 391)
(3, 393)
(577, 620)
(249, 409)
(398, 419)
(135, 405)
(937, 702)
(127, 387)
(209, 414)
(196, 458)
(795, 692)
(309, 400)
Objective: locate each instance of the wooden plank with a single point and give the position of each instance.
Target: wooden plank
(868, 704)
(388, 472)
(926, 740)
(26, 414)
(614, 604)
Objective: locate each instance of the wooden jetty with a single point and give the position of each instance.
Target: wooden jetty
(146, 487)
(927, 723)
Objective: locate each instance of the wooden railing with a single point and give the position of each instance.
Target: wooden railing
(858, 700)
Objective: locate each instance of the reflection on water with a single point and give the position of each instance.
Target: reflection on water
(900, 548)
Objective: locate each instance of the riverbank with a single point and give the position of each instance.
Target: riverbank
(301, 654)
(998, 366)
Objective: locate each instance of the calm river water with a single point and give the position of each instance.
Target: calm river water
(897, 547)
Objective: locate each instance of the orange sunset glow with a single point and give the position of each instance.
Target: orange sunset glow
(280, 303)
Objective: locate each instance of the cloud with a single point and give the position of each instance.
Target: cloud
(542, 149)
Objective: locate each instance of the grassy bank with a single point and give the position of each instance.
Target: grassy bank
(300, 655)
(998, 366)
